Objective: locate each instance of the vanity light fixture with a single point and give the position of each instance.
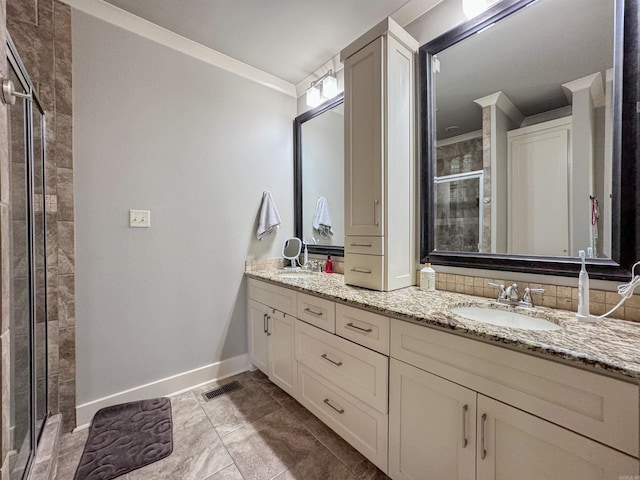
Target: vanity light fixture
(313, 96)
(472, 8)
(329, 84)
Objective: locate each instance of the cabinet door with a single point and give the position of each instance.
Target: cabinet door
(364, 145)
(514, 444)
(283, 369)
(431, 426)
(257, 332)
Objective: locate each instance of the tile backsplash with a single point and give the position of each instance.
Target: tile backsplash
(252, 265)
(554, 296)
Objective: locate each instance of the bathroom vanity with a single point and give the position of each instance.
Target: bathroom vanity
(424, 393)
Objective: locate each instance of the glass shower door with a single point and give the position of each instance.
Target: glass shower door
(21, 365)
(28, 323)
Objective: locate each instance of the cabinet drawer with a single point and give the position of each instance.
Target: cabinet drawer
(599, 407)
(317, 311)
(273, 296)
(364, 270)
(363, 427)
(362, 327)
(357, 370)
(366, 245)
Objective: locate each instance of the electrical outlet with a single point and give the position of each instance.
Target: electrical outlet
(139, 218)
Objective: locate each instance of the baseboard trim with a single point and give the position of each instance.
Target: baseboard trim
(165, 387)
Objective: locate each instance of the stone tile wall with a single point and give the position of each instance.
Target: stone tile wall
(41, 31)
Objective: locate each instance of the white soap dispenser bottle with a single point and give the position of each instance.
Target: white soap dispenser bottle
(428, 278)
(583, 292)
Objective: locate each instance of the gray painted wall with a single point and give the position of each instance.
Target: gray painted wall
(158, 130)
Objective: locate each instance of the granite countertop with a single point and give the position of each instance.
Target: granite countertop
(608, 346)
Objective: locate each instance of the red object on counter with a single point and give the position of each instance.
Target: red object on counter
(328, 266)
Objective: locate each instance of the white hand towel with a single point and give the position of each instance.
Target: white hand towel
(269, 216)
(322, 218)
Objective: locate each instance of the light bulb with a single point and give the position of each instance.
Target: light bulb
(313, 96)
(472, 8)
(329, 87)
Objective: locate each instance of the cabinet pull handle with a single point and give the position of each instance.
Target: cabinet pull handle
(264, 323)
(324, 355)
(339, 410)
(360, 270)
(375, 207)
(366, 330)
(483, 450)
(268, 332)
(361, 245)
(317, 314)
(464, 426)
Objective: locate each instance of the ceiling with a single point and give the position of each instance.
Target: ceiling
(286, 38)
(528, 56)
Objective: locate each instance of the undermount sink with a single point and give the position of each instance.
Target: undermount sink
(504, 318)
(300, 274)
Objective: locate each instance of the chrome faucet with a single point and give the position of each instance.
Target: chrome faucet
(511, 295)
(527, 300)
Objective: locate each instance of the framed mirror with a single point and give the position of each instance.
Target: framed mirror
(318, 145)
(529, 139)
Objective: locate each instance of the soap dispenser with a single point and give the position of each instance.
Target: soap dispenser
(583, 292)
(328, 266)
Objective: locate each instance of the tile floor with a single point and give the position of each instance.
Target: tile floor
(258, 432)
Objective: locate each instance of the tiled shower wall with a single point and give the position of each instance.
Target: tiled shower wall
(457, 220)
(41, 31)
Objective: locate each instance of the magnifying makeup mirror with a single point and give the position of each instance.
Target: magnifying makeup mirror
(291, 251)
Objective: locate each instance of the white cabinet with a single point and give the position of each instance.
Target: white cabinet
(363, 327)
(282, 365)
(363, 426)
(380, 158)
(353, 368)
(257, 332)
(317, 311)
(271, 333)
(519, 445)
(432, 426)
(346, 386)
(441, 430)
(560, 422)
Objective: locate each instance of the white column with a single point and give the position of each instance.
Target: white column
(585, 94)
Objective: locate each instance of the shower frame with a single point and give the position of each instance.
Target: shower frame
(32, 106)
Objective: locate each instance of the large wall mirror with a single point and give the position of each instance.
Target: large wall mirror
(530, 138)
(319, 177)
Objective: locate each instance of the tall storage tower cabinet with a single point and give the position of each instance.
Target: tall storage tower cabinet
(379, 99)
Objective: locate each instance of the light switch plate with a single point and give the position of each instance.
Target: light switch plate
(139, 218)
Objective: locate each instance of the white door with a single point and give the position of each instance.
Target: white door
(257, 332)
(283, 369)
(363, 99)
(538, 189)
(517, 445)
(431, 426)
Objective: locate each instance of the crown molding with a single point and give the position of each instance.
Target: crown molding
(132, 23)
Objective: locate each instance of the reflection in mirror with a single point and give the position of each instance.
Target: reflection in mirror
(291, 249)
(529, 138)
(523, 144)
(319, 162)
